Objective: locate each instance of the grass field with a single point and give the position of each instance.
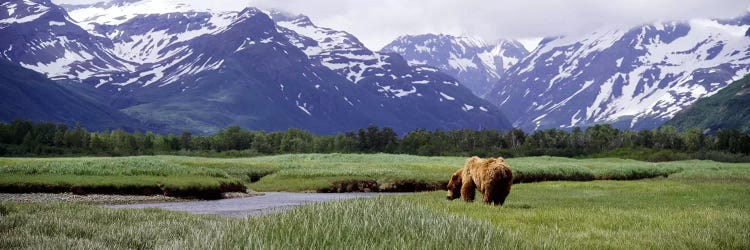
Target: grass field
(664, 213)
(689, 205)
(310, 172)
(129, 175)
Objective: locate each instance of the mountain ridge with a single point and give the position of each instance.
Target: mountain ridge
(26, 94)
(635, 78)
(727, 109)
(205, 70)
(474, 62)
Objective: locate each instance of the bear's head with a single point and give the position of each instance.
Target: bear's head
(454, 185)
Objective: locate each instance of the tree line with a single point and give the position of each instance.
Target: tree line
(25, 138)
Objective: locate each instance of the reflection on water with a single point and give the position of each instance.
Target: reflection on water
(271, 202)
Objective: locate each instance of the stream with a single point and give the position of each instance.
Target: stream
(268, 203)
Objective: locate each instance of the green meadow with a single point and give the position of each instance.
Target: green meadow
(654, 214)
(311, 172)
(557, 203)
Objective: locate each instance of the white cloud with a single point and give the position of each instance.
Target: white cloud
(378, 22)
(530, 43)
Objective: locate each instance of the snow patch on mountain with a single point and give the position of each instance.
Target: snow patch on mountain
(60, 66)
(165, 60)
(45, 40)
(635, 78)
(162, 47)
(21, 12)
(337, 50)
(447, 97)
(118, 12)
(385, 73)
(474, 62)
(150, 46)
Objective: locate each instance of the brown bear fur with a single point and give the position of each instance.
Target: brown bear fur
(493, 178)
(454, 185)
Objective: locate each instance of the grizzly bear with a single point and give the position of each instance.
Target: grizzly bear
(493, 177)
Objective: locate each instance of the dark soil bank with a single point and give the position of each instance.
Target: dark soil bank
(367, 186)
(207, 193)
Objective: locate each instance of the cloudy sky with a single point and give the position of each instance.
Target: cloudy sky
(376, 23)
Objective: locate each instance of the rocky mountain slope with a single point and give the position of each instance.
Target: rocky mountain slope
(165, 62)
(635, 78)
(419, 91)
(729, 108)
(26, 94)
(475, 63)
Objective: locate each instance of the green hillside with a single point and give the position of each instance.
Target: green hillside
(729, 108)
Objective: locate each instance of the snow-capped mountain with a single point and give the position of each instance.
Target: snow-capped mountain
(635, 78)
(419, 91)
(206, 70)
(475, 63)
(41, 36)
(166, 62)
(727, 109)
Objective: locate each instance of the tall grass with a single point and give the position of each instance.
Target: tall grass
(534, 169)
(360, 224)
(648, 214)
(108, 166)
(128, 175)
(304, 172)
(315, 171)
(77, 226)
(653, 155)
(379, 223)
